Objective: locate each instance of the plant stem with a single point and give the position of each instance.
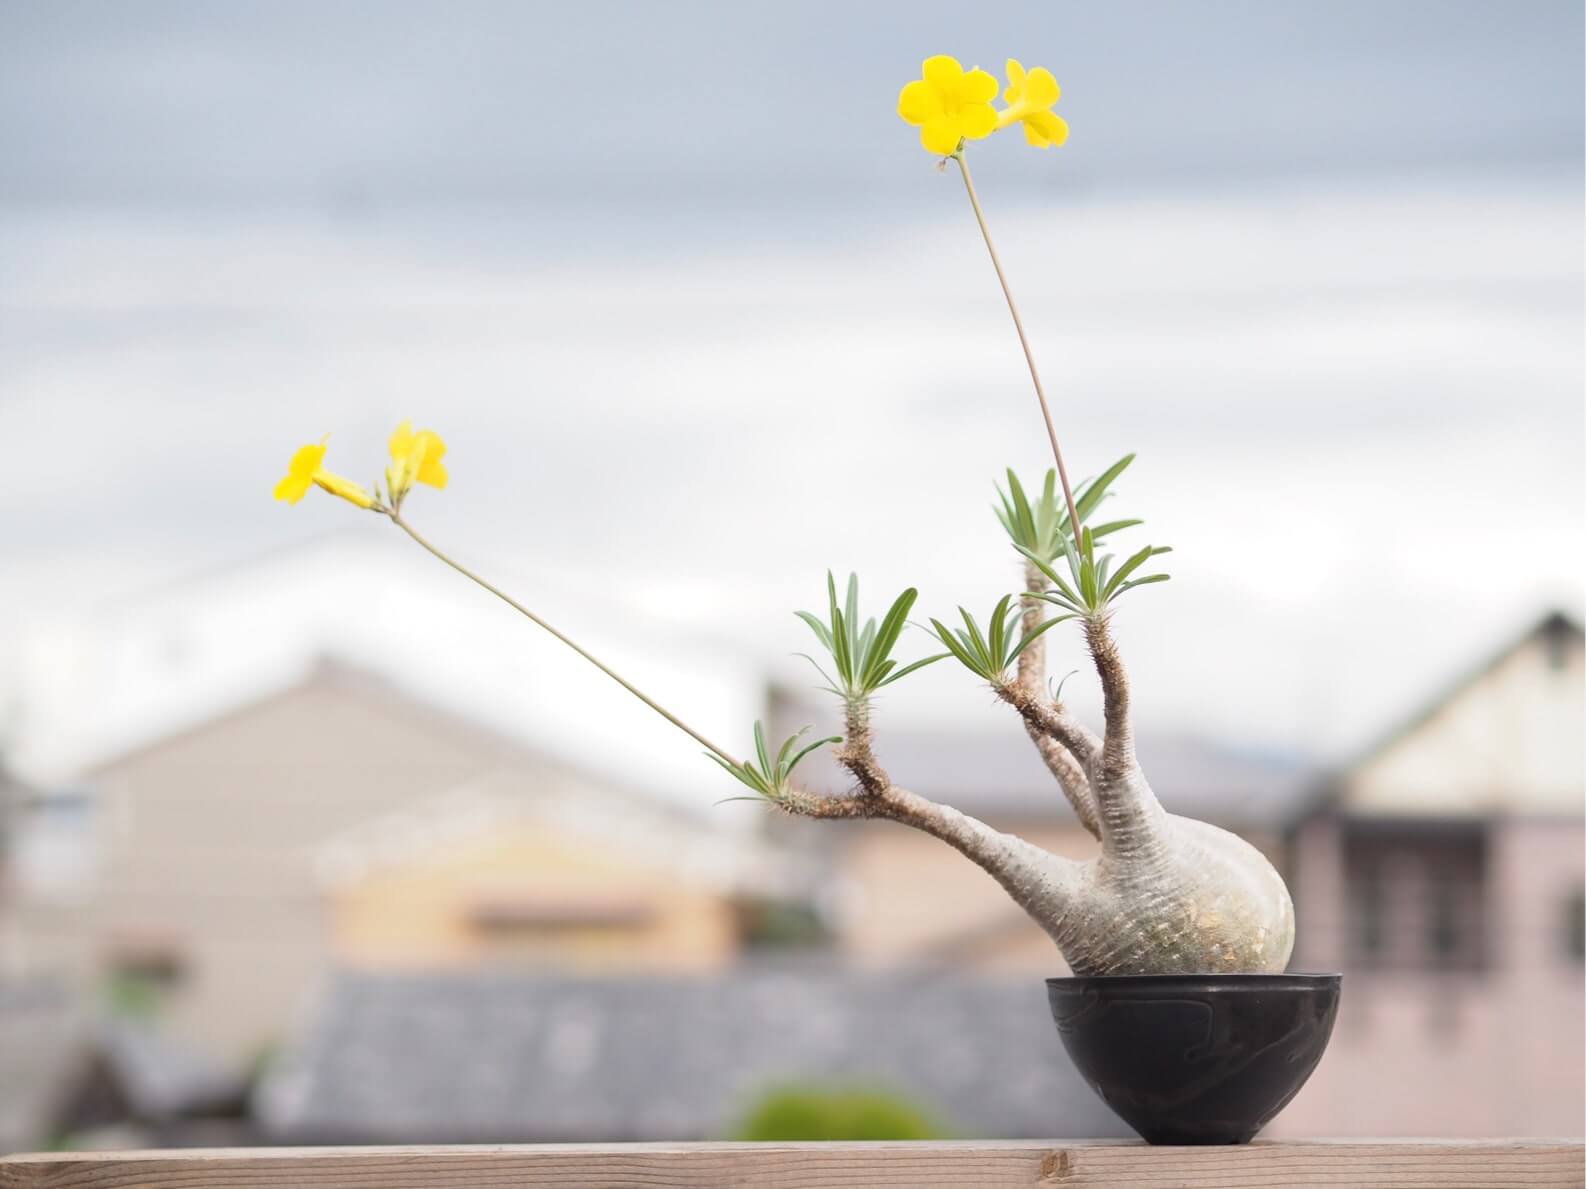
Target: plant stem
(1029, 357)
(397, 520)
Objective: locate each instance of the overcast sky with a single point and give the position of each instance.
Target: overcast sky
(700, 319)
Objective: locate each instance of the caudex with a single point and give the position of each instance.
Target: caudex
(1164, 894)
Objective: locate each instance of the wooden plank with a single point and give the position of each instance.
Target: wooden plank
(969, 1164)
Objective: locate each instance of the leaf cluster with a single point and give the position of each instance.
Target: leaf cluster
(1040, 526)
(1092, 585)
(989, 653)
(767, 777)
(861, 653)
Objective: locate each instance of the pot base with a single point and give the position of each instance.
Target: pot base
(1195, 1058)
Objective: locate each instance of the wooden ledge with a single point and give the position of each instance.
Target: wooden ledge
(1393, 1164)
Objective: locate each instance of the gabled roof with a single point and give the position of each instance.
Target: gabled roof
(94, 687)
(499, 1057)
(1552, 624)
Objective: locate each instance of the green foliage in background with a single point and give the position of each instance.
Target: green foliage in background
(834, 1113)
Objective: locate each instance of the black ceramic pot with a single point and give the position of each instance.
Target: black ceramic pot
(1195, 1058)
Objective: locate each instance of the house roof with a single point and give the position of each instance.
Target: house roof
(94, 687)
(498, 1057)
(1552, 623)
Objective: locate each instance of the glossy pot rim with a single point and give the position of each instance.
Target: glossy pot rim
(1213, 981)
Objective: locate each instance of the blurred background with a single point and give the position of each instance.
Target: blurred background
(303, 838)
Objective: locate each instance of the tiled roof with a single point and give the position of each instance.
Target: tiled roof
(510, 1057)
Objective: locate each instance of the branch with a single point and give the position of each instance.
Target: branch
(1065, 745)
(1117, 754)
(1035, 878)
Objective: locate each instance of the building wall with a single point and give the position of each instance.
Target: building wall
(1496, 1051)
(530, 893)
(206, 851)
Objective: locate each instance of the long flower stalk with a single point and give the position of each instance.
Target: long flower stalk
(397, 519)
(1024, 340)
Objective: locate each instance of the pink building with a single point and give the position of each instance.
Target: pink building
(1443, 872)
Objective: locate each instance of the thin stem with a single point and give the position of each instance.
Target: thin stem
(1029, 357)
(397, 520)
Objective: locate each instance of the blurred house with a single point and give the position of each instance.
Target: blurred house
(498, 1057)
(1443, 872)
(900, 898)
(241, 780)
(218, 870)
(571, 879)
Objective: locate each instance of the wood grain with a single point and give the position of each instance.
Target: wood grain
(1432, 1164)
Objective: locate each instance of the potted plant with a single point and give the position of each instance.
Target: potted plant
(1177, 933)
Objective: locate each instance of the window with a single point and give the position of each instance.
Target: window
(1417, 895)
(1575, 926)
(1557, 636)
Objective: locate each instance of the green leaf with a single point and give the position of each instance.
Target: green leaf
(955, 646)
(1112, 526)
(1093, 492)
(793, 763)
(999, 629)
(891, 627)
(1146, 581)
(919, 664)
(743, 773)
(1134, 563)
(760, 749)
(1029, 637)
(976, 640)
(851, 609)
(819, 628)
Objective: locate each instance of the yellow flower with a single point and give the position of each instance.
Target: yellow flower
(949, 104)
(1030, 96)
(415, 457)
(305, 471)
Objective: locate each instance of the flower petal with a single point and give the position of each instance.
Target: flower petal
(300, 472)
(293, 487)
(977, 87)
(306, 460)
(1040, 88)
(402, 441)
(976, 120)
(942, 72)
(1045, 130)
(433, 472)
(430, 469)
(941, 137)
(919, 102)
